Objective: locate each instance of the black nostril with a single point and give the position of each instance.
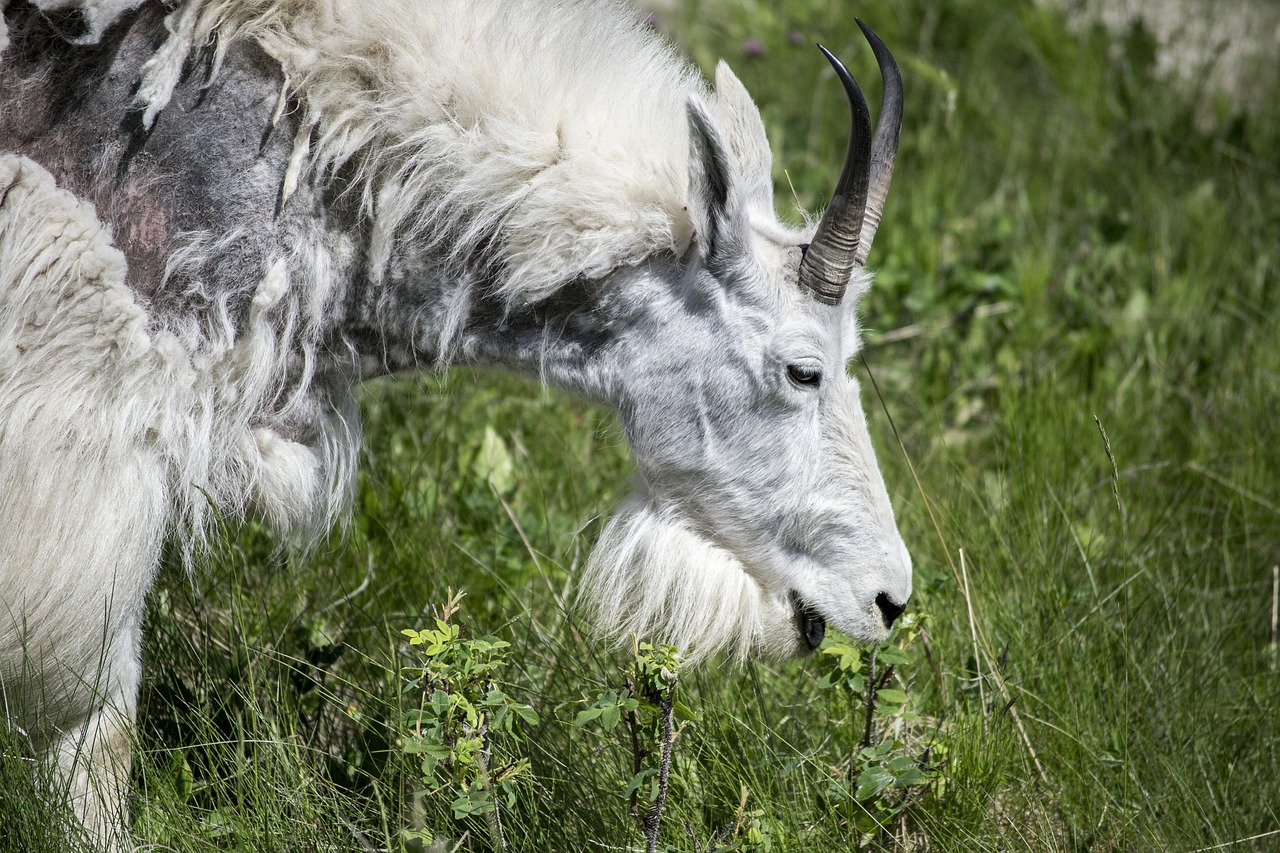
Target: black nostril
(888, 610)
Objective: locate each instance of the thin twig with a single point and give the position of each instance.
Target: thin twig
(688, 830)
(364, 584)
(915, 330)
(494, 817)
(520, 530)
(1260, 835)
(1241, 490)
(1094, 609)
(973, 634)
(1275, 607)
(638, 755)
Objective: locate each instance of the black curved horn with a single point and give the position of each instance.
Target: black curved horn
(844, 235)
(829, 260)
(884, 146)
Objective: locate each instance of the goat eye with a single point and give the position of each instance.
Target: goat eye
(805, 374)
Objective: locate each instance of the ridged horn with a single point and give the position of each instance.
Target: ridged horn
(844, 235)
(884, 146)
(829, 260)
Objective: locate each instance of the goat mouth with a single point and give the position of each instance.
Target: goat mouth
(809, 622)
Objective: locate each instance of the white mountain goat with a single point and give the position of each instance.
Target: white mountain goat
(218, 216)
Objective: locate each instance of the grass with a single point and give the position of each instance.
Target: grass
(1073, 332)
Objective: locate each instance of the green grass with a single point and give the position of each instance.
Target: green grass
(1073, 331)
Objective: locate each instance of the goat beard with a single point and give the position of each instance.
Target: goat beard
(652, 576)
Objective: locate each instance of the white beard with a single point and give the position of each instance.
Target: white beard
(650, 575)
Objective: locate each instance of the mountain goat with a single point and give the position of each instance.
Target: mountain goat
(218, 216)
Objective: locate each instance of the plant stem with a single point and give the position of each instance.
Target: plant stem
(638, 756)
(667, 705)
(497, 836)
(870, 700)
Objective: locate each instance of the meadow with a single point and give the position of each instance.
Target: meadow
(1072, 374)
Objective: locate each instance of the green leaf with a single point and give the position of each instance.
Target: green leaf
(850, 656)
(890, 696)
(878, 751)
(587, 716)
(609, 717)
(422, 746)
(181, 776)
(639, 779)
(493, 463)
(891, 656)
(471, 803)
(683, 711)
(913, 776)
(871, 782)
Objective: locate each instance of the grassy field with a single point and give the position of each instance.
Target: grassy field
(1073, 331)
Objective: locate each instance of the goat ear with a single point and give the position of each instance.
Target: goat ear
(715, 204)
(745, 130)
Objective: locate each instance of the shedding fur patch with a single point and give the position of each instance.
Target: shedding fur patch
(288, 478)
(76, 346)
(95, 15)
(460, 133)
(161, 73)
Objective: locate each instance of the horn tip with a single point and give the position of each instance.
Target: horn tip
(877, 44)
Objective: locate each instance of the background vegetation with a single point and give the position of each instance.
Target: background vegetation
(1073, 331)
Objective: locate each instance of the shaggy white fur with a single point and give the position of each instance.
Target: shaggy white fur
(96, 15)
(79, 410)
(127, 433)
(649, 575)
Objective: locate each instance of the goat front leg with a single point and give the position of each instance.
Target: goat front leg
(92, 757)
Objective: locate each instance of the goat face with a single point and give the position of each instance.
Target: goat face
(760, 513)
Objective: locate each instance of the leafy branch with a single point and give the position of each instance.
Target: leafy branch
(649, 704)
(461, 709)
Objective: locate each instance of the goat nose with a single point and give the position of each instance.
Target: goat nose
(889, 611)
